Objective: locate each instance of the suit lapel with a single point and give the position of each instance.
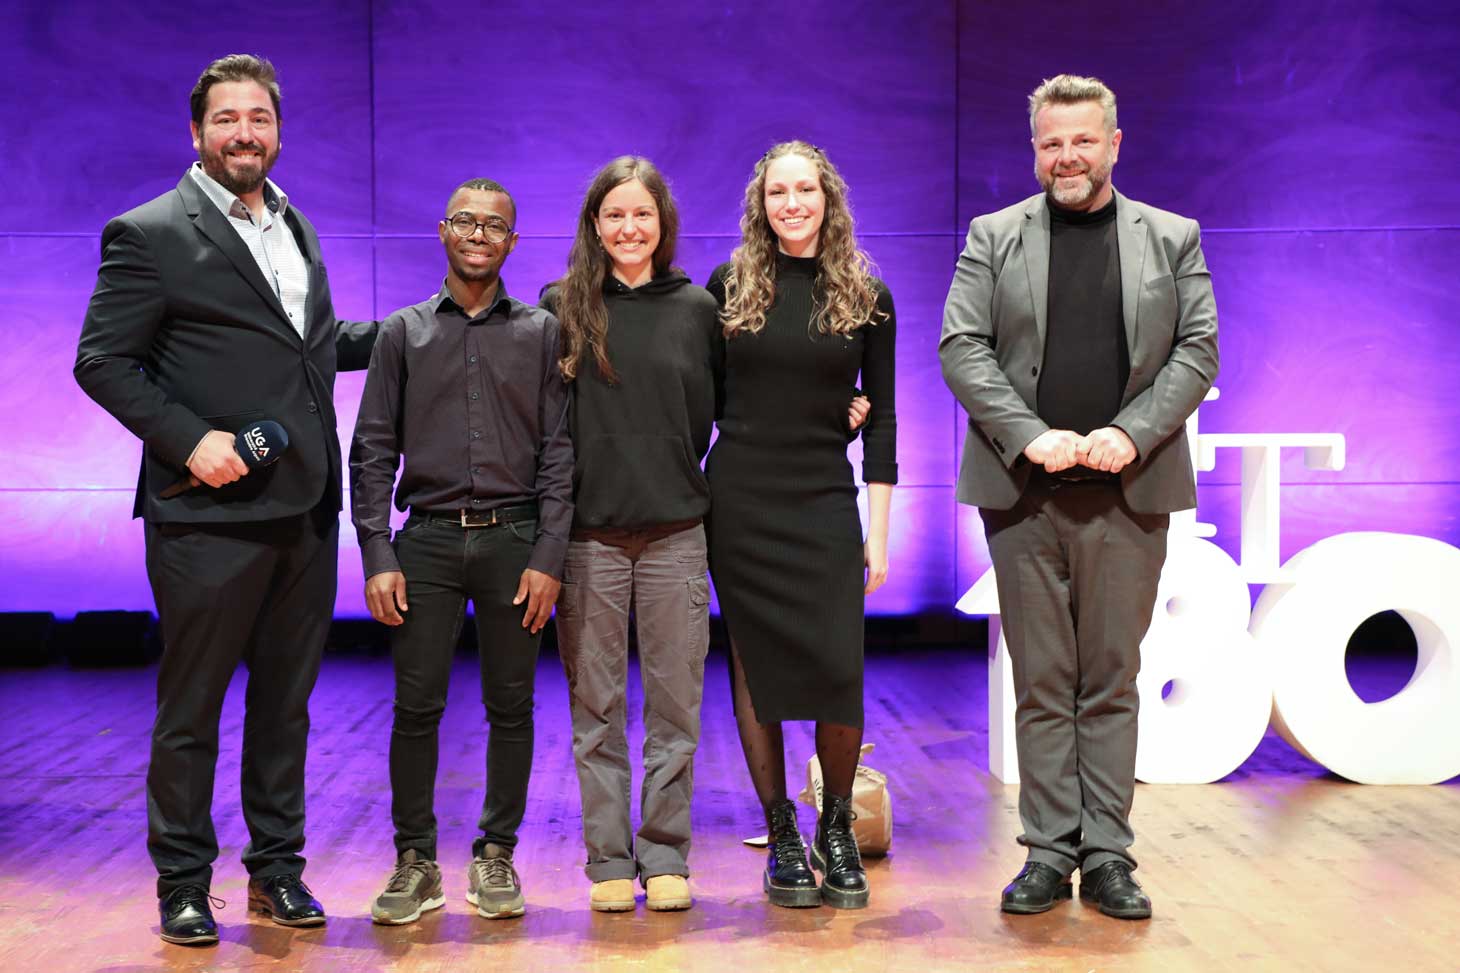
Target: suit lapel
(215, 227)
(308, 242)
(1034, 238)
(1131, 238)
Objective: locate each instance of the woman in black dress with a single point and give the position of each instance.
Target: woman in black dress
(803, 317)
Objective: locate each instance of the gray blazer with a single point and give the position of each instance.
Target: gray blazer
(993, 346)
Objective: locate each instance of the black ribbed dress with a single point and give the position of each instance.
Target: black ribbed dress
(785, 539)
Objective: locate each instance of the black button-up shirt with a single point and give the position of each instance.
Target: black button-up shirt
(479, 411)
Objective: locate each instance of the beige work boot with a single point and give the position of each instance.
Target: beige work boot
(667, 893)
(614, 895)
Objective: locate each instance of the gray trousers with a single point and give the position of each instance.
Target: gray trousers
(664, 582)
(1077, 573)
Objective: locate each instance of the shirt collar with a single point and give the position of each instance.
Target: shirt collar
(444, 298)
(230, 205)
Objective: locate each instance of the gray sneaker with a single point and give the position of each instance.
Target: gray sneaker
(414, 887)
(492, 884)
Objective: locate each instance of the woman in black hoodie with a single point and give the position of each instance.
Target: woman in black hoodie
(637, 344)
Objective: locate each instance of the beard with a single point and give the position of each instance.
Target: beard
(246, 174)
(1082, 192)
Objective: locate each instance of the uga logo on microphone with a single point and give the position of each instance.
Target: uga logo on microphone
(257, 442)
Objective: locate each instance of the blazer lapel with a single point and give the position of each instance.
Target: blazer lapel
(216, 228)
(1034, 239)
(309, 247)
(1131, 238)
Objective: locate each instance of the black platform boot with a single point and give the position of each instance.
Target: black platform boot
(835, 853)
(788, 879)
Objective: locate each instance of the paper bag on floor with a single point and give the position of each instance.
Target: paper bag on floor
(871, 803)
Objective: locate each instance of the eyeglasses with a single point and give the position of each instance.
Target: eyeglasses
(494, 231)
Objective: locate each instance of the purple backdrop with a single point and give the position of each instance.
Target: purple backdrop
(1310, 139)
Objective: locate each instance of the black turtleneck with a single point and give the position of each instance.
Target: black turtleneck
(1086, 361)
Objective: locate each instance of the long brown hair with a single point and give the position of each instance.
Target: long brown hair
(844, 295)
(580, 307)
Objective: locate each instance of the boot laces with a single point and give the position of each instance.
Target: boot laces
(786, 836)
(841, 842)
(790, 848)
(783, 817)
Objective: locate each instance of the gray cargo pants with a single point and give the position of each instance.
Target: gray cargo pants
(664, 582)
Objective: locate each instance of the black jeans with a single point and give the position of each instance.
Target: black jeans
(445, 565)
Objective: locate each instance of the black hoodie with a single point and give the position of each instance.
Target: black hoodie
(639, 442)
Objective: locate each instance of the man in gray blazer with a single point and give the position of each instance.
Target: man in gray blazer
(1080, 332)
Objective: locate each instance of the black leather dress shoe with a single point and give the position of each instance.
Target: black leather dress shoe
(1035, 889)
(1114, 892)
(186, 918)
(286, 900)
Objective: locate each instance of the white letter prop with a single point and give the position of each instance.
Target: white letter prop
(1303, 626)
(983, 599)
(1221, 693)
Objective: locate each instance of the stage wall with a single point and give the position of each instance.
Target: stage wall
(1312, 140)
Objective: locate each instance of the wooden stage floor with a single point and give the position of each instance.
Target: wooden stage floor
(1280, 867)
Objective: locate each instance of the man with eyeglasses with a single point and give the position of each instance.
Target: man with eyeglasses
(465, 388)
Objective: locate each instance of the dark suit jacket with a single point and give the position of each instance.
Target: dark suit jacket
(993, 345)
(183, 335)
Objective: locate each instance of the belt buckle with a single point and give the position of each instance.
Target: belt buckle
(470, 518)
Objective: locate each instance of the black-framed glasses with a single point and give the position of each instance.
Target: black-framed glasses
(494, 231)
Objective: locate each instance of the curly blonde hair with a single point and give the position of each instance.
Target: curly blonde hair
(844, 295)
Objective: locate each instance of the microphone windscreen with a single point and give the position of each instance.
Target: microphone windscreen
(261, 443)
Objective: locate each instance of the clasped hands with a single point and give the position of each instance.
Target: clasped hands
(1107, 449)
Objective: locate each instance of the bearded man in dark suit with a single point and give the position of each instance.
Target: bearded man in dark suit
(212, 312)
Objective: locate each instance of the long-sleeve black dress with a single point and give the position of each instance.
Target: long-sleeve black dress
(785, 539)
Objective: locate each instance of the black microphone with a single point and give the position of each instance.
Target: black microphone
(258, 445)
